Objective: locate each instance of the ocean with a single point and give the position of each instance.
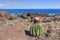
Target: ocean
(42, 11)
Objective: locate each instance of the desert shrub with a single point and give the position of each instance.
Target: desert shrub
(28, 20)
(8, 22)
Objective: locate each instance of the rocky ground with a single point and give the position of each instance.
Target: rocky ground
(19, 30)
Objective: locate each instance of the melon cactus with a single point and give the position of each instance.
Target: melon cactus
(36, 30)
(37, 19)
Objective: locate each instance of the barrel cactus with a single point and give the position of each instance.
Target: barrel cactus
(36, 30)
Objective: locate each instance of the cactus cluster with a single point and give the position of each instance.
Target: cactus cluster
(36, 30)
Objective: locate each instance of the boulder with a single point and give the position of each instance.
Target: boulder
(24, 16)
(43, 15)
(4, 14)
(32, 15)
(12, 17)
(46, 19)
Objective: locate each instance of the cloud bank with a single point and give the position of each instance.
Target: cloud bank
(1, 5)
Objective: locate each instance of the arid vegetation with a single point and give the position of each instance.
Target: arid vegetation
(12, 28)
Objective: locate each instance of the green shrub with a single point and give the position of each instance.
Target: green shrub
(36, 30)
(28, 20)
(8, 22)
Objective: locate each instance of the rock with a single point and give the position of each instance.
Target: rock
(47, 34)
(57, 18)
(12, 17)
(19, 15)
(3, 19)
(43, 15)
(46, 19)
(51, 30)
(57, 15)
(4, 14)
(31, 15)
(24, 16)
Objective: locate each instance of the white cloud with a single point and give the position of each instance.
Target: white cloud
(1, 5)
(57, 7)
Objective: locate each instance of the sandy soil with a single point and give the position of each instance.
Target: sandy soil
(20, 31)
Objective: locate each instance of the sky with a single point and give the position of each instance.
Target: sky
(29, 4)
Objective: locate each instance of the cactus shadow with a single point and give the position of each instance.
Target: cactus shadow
(27, 32)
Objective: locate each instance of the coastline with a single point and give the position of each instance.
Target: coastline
(13, 28)
(42, 11)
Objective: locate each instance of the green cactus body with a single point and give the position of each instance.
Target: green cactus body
(36, 30)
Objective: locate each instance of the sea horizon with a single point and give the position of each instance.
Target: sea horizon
(42, 11)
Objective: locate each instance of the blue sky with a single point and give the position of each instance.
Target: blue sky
(30, 4)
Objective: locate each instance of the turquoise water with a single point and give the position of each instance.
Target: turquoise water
(43, 11)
